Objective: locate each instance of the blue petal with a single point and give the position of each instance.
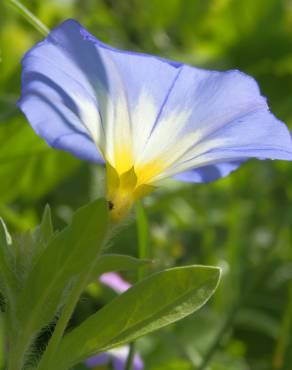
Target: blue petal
(147, 79)
(61, 82)
(228, 122)
(227, 113)
(119, 363)
(97, 360)
(208, 173)
(199, 121)
(59, 127)
(70, 68)
(258, 135)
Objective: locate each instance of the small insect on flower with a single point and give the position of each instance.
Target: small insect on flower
(145, 117)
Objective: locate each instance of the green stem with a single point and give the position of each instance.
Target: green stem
(143, 238)
(61, 325)
(18, 348)
(65, 318)
(130, 359)
(284, 335)
(14, 363)
(144, 252)
(31, 18)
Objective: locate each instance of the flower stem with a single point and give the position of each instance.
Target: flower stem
(130, 359)
(284, 334)
(31, 18)
(61, 325)
(143, 238)
(144, 252)
(110, 366)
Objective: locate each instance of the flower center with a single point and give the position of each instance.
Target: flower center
(124, 189)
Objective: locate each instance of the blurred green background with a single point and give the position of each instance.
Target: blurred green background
(242, 223)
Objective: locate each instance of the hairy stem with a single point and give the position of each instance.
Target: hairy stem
(65, 318)
(130, 359)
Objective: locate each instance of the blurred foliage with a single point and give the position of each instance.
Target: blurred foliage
(242, 223)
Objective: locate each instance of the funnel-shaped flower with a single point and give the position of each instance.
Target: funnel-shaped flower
(147, 118)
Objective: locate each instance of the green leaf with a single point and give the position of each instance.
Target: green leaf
(7, 277)
(69, 254)
(41, 236)
(117, 262)
(46, 226)
(155, 302)
(32, 244)
(25, 250)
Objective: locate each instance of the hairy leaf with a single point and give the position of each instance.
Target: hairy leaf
(69, 254)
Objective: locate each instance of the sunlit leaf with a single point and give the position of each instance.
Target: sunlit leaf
(155, 302)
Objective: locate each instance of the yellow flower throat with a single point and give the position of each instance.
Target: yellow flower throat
(123, 191)
(126, 181)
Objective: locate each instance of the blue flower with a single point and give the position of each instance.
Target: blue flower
(115, 282)
(118, 357)
(146, 117)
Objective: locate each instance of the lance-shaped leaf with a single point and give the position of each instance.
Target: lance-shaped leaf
(31, 244)
(45, 231)
(155, 302)
(41, 236)
(70, 253)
